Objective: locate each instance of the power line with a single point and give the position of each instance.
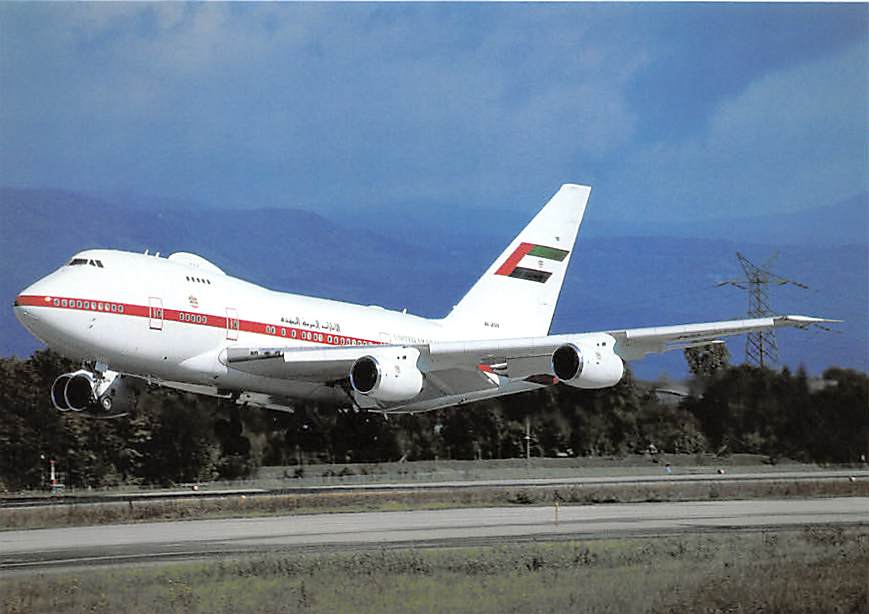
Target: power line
(760, 347)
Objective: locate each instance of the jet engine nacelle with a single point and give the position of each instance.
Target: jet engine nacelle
(588, 365)
(390, 374)
(84, 390)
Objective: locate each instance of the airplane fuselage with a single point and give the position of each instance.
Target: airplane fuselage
(173, 318)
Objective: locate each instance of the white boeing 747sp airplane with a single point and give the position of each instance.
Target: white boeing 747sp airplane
(181, 322)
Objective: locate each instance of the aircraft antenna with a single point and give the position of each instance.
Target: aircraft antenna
(760, 347)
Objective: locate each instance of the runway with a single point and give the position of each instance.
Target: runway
(31, 550)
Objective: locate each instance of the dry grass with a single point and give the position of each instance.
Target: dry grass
(234, 506)
(809, 570)
(510, 469)
(194, 507)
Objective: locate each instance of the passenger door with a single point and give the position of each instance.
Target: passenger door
(232, 324)
(155, 313)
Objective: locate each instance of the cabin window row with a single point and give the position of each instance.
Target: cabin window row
(336, 340)
(195, 318)
(199, 280)
(330, 339)
(92, 305)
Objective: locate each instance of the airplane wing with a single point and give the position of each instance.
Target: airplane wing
(633, 344)
(456, 372)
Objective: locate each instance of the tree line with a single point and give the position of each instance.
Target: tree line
(174, 437)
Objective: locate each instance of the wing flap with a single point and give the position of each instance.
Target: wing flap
(313, 364)
(332, 364)
(429, 404)
(457, 381)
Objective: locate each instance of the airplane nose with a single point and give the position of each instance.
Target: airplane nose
(21, 303)
(23, 314)
(31, 306)
(26, 308)
(36, 294)
(27, 299)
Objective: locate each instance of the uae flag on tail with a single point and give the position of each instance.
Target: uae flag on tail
(532, 262)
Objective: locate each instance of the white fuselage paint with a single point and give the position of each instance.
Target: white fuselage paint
(143, 315)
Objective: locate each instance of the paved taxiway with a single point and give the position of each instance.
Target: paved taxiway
(112, 544)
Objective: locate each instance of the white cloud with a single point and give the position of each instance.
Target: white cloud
(793, 139)
(297, 103)
(404, 104)
(89, 20)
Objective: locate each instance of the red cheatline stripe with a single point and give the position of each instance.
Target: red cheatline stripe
(290, 333)
(517, 255)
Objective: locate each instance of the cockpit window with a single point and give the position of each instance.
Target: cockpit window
(91, 262)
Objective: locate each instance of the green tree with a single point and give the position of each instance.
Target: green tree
(182, 447)
(841, 426)
(705, 360)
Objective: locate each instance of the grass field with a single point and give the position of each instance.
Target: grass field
(324, 474)
(63, 514)
(806, 570)
(515, 468)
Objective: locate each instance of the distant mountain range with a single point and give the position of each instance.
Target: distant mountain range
(843, 223)
(424, 260)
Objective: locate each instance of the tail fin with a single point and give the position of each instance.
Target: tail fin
(516, 297)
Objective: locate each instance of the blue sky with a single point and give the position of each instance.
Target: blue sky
(671, 111)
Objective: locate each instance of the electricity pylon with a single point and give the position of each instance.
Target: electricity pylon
(760, 347)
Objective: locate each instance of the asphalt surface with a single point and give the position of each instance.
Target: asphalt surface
(69, 548)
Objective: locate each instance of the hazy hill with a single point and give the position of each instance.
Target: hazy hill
(613, 282)
(842, 223)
